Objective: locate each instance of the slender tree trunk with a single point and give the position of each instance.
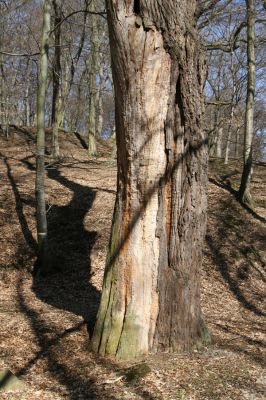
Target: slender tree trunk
(214, 137)
(219, 142)
(57, 6)
(229, 135)
(237, 142)
(40, 150)
(66, 87)
(76, 118)
(99, 102)
(26, 99)
(92, 148)
(27, 107)
(227, 147)
(151, 290)
(7, 116)
(244, 190)
(2, 80)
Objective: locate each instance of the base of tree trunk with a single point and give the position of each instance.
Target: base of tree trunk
(92, 148)
(247, 199)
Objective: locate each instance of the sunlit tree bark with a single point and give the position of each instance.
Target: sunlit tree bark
(244, 190)
(40, 150)
(151, 290)
(57, 81)
(93, 65)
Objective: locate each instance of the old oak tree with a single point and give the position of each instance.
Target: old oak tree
(151, 292)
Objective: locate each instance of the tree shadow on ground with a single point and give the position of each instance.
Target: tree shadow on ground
(236, 243)
(236, 252)
(242, 343)
(77, 385)
(68, 288)
(68, 368)
(232, 281)
(19, 208)
(225, 183)
(67, 285)
(67, 282)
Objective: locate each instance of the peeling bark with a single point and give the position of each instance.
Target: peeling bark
(151, 295)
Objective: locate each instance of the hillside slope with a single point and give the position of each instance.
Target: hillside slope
(45, 323)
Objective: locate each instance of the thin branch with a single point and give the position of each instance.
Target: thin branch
(227, 45)
(101, 13)
(219, 102)
(213, 15)
(19, 54)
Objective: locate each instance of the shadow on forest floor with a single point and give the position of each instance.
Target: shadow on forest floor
(55, 330)
(67, 374)
(68, 285)
(236, 245)
(224, 183)
(68, 289)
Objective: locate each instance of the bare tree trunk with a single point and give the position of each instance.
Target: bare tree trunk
(66, 87)
(219, 142)
(151, 290)
(229, 135)
(99, 102)
(92, 149)
(237, 142)
(244, 190)
(7, 116)
(40, 150)
(57, 6)
(2, 80)
(26, 99)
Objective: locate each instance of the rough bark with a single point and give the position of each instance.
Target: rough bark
(40, 150)
(151, 290)
(244, 190)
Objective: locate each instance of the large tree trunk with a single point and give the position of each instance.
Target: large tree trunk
(244, 190)
(151, 289)
(40, 150)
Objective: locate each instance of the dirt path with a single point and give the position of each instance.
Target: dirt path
(45, 324)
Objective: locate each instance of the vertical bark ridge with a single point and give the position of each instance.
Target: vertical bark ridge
(151, 288)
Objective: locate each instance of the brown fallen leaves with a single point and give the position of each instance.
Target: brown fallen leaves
(45, 323)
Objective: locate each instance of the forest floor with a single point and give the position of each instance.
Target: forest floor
(45, 323)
